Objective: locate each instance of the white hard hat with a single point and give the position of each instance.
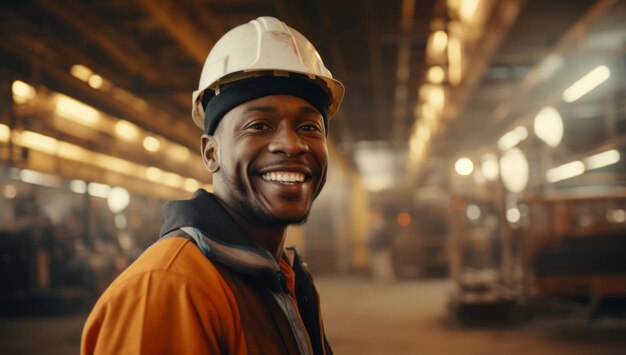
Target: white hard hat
(262, 46)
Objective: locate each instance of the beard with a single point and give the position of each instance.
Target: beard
(253, 207)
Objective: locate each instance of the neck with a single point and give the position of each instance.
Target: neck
(270, 238)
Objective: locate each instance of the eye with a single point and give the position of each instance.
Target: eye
(259, 126)
(310, 128)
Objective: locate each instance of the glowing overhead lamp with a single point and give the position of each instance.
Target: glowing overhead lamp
(464, 166)
(434, 95)
(514, 170)
(512, 138)
(565, 171)
(472, 212)
(151, 144)
(126, 130)
(81, 72)
(603, 159)
(78, 186)
(75, 110)
(548, 126)
(455, 61)
(22, 92)
(95, 81)
(5, 133)
(513, 215)
(436, 74)
(438, 42)
(587, 83)
(98, 190)
(118, 199)
(489, 167)
(36, 141)
(37, 178)
(468, 9)
(153, 173)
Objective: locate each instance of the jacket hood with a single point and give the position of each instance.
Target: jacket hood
(217, 234)
(205, 213)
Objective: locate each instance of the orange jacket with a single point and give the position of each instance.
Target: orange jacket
(201, 295)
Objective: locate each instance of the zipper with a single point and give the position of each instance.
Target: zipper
(297, 327)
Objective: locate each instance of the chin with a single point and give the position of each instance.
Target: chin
(283, 218)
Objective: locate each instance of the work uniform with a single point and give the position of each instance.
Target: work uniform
(207, 288)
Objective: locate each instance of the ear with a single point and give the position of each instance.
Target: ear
(210, 153)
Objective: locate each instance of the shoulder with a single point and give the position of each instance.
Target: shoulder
(172, 263)
(170, 288)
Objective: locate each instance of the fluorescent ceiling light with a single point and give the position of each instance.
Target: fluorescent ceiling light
(602, 159)
(512, 138)
(438, 42)
(436, 74)
(5, 133)
(95, 81)
(126, 130)
(565, 171)
(75, 110)
(37, 178)
(468, 9)
(455, 61)
(587, 83)
(22, 92)
(78, 186)
(74, 152)
(151, 144)
(98, 190)
(81, 72)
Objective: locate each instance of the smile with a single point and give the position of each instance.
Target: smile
(284, 177)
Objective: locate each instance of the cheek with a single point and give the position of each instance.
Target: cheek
(321, 154)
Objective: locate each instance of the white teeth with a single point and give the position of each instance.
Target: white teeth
(284, 177)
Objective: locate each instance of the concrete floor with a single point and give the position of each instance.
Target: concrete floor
(410, 318)
(366, 318)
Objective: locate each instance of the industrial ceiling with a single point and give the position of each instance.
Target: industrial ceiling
(148, 56)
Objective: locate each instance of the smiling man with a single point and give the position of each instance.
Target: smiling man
(219, 280)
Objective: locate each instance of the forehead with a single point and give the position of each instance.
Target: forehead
(284, 104)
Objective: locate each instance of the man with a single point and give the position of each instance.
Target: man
(219, 281)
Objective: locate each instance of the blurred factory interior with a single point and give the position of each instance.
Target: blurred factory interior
(486, 138)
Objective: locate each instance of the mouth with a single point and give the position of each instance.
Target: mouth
(285, 177)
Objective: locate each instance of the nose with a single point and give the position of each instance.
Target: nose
(287, 141)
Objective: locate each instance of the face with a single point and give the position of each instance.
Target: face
(269, 158)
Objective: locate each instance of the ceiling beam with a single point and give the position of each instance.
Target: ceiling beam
(195, 42)
(287, 11)
(56, 79)
(502, 17)
(376, 64)
(115, 44)
(534, 76)
(403, 71)
(340, 72)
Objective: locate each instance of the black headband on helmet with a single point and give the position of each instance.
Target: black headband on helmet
(235, 94)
